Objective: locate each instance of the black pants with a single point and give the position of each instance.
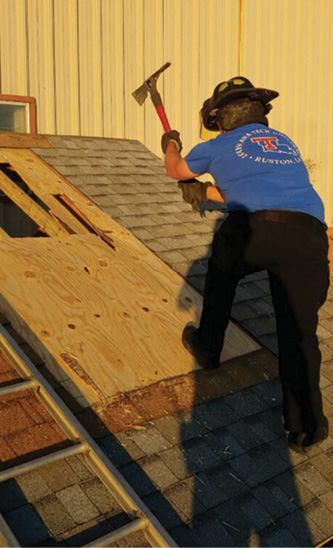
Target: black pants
(293, 248)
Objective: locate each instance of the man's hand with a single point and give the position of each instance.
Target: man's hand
(193, 192)
(173, 136)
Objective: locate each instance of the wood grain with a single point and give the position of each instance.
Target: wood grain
(102, 310)
(30, 207)
(23, 140)
(111, 319)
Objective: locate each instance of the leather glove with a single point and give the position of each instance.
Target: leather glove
(171, 136)
(194, 191)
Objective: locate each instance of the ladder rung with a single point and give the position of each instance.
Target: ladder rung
(18, 387)
(136, 525)
(42, 461)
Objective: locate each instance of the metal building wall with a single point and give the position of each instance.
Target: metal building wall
(81, 60)
(288, 45)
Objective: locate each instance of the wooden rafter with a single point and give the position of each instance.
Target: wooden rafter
(30, 207)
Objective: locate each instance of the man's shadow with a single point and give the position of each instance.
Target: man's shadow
(239, 466)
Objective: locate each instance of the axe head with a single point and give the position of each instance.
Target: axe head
(148, 86)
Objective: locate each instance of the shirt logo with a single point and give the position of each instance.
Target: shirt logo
(267, 146)
(272, 144)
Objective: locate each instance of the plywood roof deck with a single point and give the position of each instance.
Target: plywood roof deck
(103, 311)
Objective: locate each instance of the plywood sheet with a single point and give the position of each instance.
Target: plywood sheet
(109, 320)
(43, 181)
(23, 140)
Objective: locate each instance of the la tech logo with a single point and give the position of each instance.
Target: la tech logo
(272, 144)
(268, 147)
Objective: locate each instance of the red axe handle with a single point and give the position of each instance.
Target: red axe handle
(163, 117)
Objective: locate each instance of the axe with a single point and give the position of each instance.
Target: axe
(149, 86)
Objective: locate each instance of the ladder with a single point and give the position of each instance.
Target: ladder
(141, 518)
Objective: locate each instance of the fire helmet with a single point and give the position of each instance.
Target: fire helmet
(231, 90)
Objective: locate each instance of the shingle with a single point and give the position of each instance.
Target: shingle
(204, 530)
(246, 402)
(77, 504)
(270, 342)
(328, 393)
(327, 499)
(199, 455)
(303, 528)
(149, 439)
(242, 311)
(233, 519)
(248, 291)
(26, 525)
(260, 326)
(214, 414)
(115, 450)
(189, 424)
(11, 496)
(163, 510)
(258, 517)
(158, 472)
(54, 515)
(59, 475)
(312, 479)
(226, 479)
(176, 460)
(134, 221)
(206, 491)
(138, 479)
(223, 443)
(80, 467)
(276, 502)
(13, 418)
(298, 494)
(33, 486)
(270, 391)
(259, 428)
(170, 428)
(100, 496)
(197, 282)
(323, 463)
(279, 536)
(250, 469)
(184, 500)
(273, 418)
(245, 437)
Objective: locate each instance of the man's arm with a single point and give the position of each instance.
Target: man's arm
(175, 164)
(178, 169)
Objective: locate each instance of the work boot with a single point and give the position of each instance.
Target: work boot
(301, 441)
(207, 359)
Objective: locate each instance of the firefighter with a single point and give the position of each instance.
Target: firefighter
(276, 223)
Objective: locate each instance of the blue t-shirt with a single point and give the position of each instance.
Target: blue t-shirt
(256, 168)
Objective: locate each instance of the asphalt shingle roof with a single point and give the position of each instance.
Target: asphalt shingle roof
(219, 473)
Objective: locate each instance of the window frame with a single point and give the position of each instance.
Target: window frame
(29, 103)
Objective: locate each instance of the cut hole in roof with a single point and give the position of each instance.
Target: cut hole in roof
(13, 220)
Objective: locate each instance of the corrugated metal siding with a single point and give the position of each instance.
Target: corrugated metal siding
(287, 45)
(82, 59)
